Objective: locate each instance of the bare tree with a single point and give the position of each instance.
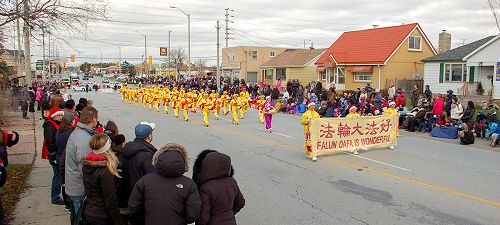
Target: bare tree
(61, 18)
(177, 57)
(495, 8)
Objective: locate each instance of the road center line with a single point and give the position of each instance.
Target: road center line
(284, 135)
(383, 163)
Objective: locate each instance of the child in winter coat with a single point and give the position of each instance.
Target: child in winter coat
(220, 195)
(166, 196)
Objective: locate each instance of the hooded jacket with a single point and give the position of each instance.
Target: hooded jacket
(136, 162)
(101, 201)
(166, 196)
(49, 137)
(77, 148)
(220, 195)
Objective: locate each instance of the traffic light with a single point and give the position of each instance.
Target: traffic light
(117, 63)
(72, 58)
(64, 65)
(150, 60)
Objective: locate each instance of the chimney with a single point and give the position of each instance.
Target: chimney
(444, 42)
(312, 46)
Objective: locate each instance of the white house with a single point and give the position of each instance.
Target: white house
(484, 59)
(462, 69)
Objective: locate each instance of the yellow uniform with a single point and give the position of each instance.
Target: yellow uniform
(353, 114)
(235, 107)
(206, 105)
(217, 105)
(260, 107)
(305, 121)
(225, 102)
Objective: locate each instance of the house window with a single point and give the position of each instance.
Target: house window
(268, 74)
(362, 76)
(455, 73)
(230, 57)
(253, 54)
(272, 54)
(323, 76)
(415, 43)
(281, 74)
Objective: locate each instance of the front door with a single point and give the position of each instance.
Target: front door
(340, 78)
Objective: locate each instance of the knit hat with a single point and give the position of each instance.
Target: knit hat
(144, 129)
(392, 103)
(311, 104)
(119, 139)
(353, 107)
(111, 126)
(69, 116)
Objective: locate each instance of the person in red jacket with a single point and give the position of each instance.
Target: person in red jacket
(438, 108)
(401, 99)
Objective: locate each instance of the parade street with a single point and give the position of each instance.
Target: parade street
(423, 181)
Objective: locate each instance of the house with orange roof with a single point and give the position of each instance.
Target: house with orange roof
(377, 56)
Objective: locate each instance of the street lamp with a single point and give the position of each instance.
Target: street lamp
(145, 50)
(189, 36)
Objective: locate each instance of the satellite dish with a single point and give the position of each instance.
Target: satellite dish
(417, 75)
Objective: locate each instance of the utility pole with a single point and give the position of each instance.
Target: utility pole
(120, 55)
(101, 62)
(168, 53)
(19, 61)
(49, 58)
(146, 65)
(43, 53)
(227, 25)
(218, 50)
(27, 52)
(189, 36)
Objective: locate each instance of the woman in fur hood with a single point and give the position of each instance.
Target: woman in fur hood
(220, 195)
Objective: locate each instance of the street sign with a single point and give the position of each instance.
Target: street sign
(72, 57)
(39, 65)
(163, 51)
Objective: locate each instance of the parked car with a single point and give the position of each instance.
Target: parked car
(105, 81)
(121, 77)
(65, 80)
(118, 85)
(85, 77)
(81, 88)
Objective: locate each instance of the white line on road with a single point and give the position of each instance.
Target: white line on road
(284, 135)
(383, 163)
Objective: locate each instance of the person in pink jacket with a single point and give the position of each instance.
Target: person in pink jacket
(438, 106)
(38, 96)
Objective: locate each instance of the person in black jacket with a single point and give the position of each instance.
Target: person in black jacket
(50, 127)
(469, 112)
(166, 196)
(137, 157)
(62, 136)
(7, 139)
(220, 195)
(100, 168)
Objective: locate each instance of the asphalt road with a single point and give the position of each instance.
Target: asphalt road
(422, 182)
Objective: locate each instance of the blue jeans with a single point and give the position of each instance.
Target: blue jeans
(77, 202)
(55, 193)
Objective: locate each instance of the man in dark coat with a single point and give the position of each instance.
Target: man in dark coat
(166, 196)
(137, 157)
(319, 88)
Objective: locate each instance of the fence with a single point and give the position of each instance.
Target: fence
(406, 85)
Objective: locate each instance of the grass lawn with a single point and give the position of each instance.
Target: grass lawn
(17, 181)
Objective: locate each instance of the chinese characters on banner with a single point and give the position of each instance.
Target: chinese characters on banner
(333, 135)
(497, 74)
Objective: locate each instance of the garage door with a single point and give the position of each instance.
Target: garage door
(252, 77)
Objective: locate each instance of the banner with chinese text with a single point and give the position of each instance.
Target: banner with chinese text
(333, 135)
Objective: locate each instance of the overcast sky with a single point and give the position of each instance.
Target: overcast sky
(267, 23)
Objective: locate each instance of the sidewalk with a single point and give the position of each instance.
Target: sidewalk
(34, 205)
